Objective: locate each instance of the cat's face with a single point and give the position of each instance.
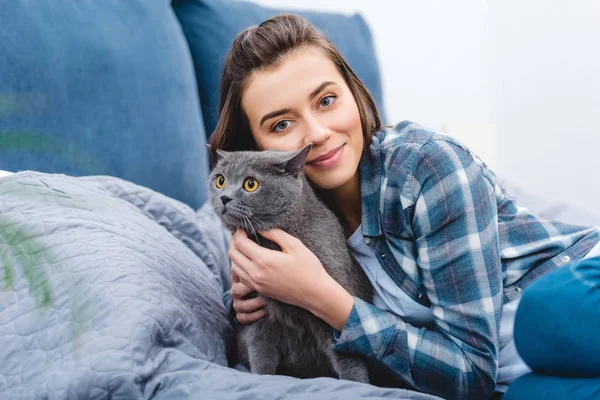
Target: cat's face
(254, 190)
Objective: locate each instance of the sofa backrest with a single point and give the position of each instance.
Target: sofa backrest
(101, 88)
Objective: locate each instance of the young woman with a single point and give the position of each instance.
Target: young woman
(446, 249)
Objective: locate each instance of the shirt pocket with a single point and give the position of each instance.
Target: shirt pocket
(395, 208)
(394, 218)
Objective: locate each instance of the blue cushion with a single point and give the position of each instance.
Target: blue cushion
(210, 27)
(101, 87)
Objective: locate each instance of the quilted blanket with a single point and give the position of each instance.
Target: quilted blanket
(111, 290)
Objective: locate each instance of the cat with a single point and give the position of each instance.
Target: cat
(261, 190)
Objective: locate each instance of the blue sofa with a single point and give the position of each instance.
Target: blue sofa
(130, 88)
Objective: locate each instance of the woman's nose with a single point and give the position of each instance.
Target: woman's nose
(317, 133)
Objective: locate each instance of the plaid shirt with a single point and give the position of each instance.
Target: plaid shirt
(452, 240)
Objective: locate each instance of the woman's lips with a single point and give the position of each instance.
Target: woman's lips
(329, 159)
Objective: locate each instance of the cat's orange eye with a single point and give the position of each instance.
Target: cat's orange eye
(250, 184)
(220, 181)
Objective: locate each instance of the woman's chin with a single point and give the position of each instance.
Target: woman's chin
(332, 181)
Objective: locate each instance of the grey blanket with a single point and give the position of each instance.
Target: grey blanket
(115, 292)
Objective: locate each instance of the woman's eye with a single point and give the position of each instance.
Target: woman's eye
(281, 125)
(327, 101)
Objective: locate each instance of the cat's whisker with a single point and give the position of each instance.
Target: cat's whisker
(243, 222)
(251, 218)
(245, 226)
(253, 230)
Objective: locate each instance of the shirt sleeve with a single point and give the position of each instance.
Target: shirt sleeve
(228, 301)
(455, 230)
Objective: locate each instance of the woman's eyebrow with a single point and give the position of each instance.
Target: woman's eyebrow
(273, 114)
(322, 86)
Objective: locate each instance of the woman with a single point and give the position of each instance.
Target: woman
(446, 250)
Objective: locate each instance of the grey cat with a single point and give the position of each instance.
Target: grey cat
(257, 191)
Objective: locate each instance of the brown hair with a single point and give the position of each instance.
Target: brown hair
(264, 46)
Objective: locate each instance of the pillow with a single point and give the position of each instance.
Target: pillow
(101, 88)
(549, 208)
(210, 27)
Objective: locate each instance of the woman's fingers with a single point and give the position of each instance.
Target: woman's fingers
(241, 266)
(245, 278)
(248, 306)
(239, 290)
(250, 249)
(250, 318)
(234, 277)
(286, 241)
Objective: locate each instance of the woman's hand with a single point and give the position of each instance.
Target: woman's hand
(247, 310)
(289, 275)
(293, 275)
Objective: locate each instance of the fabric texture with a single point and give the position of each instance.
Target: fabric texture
(134, 283)
(386, 294)
(389, 297)
(210, 27)
(101, 88)
(452, 239)
(538, 386)
(558, 322)
(556, 332)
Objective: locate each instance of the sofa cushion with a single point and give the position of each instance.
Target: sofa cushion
(101, 88)
(210, 27)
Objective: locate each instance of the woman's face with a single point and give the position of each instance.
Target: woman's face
(306, 100)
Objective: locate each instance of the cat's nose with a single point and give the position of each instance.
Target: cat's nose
(225, 199)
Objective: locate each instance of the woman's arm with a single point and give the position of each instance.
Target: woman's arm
(456, 237)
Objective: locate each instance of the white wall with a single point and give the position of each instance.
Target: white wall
(545, 65)
(516, 81)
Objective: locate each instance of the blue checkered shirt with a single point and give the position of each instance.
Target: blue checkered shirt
(452, 240)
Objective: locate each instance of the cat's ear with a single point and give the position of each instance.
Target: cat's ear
(295, 164)
(220, 154)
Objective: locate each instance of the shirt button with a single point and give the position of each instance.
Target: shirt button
(382, 255)
(420, 295)
(518, 289)
(566, 259)
(367, 240)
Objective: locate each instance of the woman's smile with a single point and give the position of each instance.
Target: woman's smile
(329, 159)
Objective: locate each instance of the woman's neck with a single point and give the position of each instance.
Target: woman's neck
(346, 202)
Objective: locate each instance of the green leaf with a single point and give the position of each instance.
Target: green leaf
(8, 276)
